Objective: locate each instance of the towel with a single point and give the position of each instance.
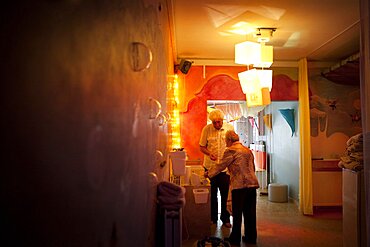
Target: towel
(353, 156)
(170, 196)
(355, 139)
(170, 189)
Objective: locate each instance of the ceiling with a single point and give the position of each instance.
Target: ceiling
(323, 31)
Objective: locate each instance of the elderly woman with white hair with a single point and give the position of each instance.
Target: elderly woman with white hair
(239, 160)
(212, 145)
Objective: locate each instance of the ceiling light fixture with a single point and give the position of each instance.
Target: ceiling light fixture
(264, 34)
(258, 54)
(263, 78)
(256, 84)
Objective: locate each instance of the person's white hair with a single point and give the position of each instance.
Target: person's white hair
(232, 136)
(216, 115)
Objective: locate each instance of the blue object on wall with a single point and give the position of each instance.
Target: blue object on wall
(288, 115)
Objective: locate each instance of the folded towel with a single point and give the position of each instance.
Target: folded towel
(170, 189)
(355, 147)
(355, 139)
(357, 156)
(355, 166)
(170, 196)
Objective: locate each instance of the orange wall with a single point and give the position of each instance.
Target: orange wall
(217, 83)
(194, 80)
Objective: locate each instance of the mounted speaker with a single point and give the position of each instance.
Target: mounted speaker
(185, 66)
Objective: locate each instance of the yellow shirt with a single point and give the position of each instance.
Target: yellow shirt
(214, 140)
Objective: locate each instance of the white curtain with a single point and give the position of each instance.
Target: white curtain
(233, 111)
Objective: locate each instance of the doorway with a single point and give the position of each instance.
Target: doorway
(249, 125)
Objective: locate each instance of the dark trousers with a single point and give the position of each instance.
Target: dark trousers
(221, 181)
(244, 203)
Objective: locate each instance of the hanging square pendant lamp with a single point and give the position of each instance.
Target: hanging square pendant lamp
(266, 56)
(256, 84)
(247, 80)
(265, 78)
(262, 78)
(258, 54)
(247, 53)
(258, 97)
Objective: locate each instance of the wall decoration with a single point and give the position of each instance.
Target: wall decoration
(284, 88)
(288, 115)
(140, 56)
(332, 103)
(334, 107)
(261, 124)
(268, 121)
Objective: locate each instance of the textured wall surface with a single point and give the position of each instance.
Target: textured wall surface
(79, 141)
(221, 83)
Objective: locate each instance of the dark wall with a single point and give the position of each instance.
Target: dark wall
(78, 143)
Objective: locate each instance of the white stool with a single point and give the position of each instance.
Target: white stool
(278, 192)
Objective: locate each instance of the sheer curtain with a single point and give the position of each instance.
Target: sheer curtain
(233, 111)
(305, 174)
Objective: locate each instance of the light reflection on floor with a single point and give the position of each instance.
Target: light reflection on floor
(282, 225)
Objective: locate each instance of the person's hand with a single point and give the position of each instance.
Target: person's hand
(213, 157)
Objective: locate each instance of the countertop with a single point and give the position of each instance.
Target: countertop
(322, 165)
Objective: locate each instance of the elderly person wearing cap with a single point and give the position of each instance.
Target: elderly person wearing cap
(239, 160)
(212, 145)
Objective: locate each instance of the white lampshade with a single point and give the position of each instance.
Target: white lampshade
(256, 84)
(254, 77)
(265, 78)
(259, 97)
(260, 55)
(247, 52)
(266, 57)
(248, 80)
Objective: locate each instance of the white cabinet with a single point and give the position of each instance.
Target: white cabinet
(354, 231)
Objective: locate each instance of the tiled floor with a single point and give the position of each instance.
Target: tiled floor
(282, 225)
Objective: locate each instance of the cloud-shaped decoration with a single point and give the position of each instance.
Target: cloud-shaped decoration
(288, 115)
